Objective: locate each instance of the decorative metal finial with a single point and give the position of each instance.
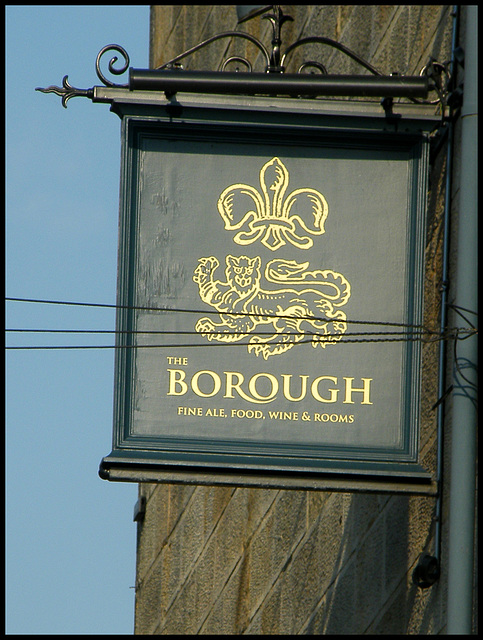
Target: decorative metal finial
(67, 91)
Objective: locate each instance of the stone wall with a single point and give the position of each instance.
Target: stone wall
(237, 560)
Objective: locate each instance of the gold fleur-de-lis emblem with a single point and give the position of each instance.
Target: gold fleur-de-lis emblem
(270, 216)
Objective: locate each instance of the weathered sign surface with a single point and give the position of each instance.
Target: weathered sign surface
(271, 279)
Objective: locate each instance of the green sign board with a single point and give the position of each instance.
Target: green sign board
(270, 297)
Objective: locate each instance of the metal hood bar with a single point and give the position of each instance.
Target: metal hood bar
(172, 81)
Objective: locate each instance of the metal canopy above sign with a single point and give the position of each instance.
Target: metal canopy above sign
(270, 294)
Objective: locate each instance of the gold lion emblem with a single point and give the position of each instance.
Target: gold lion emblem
(310, 309)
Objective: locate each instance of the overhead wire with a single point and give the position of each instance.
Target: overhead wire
(205, 312)
(412, 333)
(464, 385)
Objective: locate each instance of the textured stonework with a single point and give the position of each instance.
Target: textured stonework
(238, 560)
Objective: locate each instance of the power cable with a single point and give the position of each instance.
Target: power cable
(203, 312)
(416, 332)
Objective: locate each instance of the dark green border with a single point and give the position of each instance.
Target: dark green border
(351, 132)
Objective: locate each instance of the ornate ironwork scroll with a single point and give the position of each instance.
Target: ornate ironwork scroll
(67, 91)
(227, 34)
(275, 61)
(112, 62)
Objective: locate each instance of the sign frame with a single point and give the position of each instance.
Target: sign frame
(301, 124)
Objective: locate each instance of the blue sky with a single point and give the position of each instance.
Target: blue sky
(71, 541)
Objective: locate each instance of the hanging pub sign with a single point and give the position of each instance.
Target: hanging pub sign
(270, 295)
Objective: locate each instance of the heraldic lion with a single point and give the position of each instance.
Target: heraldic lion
(307, 313)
